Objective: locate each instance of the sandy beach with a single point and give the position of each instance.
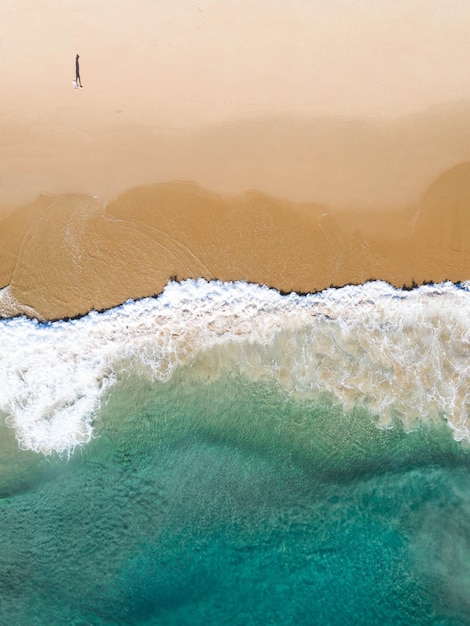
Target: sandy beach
(201, 163)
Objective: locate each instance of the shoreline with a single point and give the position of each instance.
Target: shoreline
(331, 342)
(284, 294)
(64, 256)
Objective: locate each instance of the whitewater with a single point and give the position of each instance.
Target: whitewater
(403, 355)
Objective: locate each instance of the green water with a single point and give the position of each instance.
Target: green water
(226, 502)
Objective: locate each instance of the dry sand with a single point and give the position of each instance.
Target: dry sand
(64, 255)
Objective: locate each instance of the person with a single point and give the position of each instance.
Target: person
(77, 72)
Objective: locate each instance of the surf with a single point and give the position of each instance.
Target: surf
(401, 355)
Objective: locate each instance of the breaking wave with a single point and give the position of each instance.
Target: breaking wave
(404, 355)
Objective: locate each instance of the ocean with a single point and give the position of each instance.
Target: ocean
(226, 454)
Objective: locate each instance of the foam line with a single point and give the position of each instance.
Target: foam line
(403, 354)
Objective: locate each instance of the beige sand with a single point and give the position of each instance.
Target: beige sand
(335, 161)
(335, 107)
(338, 103)
(65, 255)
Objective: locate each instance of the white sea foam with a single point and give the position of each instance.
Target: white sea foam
(402, 354)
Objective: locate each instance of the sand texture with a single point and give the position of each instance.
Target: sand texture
(66, 255)
(350, 122)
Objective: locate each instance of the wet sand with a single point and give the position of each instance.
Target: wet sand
(63, 256)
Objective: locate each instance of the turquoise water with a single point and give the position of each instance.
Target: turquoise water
(220, 494)
(228, 503)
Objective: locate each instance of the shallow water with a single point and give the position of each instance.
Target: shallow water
(223, 492)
